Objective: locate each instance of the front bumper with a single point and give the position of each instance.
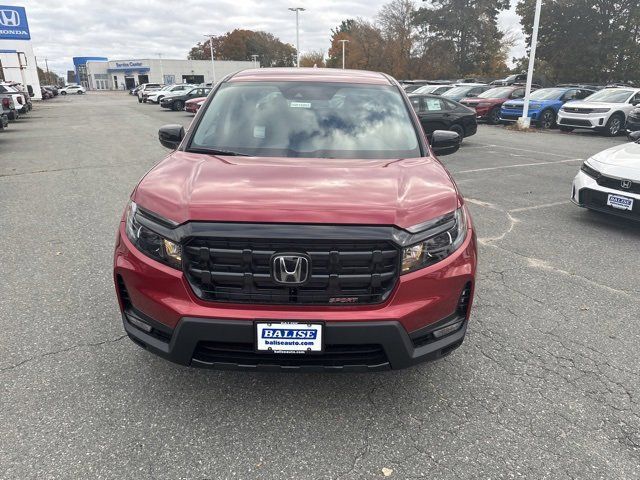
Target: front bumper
(349, 346)
(400, 329)
(513, 114)
(633, 124)
(165, 104)
(591, 121)
(587, 193)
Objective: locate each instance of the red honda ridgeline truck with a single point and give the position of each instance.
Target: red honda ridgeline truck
(301, 223)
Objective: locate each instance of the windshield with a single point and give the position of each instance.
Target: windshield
(308, 119)
(427, 89)
(548, 94)
(457, 91)
(500, 92)
(611, 95)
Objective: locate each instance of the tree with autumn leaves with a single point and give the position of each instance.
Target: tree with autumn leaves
(241, 44)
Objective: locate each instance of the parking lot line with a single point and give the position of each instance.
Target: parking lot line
(516, 149)
(520, 165)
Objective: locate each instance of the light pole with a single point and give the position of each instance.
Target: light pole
(213, 64)
(297, 10)
(255, 60)
(524, 121)
(343, 42)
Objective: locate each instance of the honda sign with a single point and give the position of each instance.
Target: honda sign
(13, 23)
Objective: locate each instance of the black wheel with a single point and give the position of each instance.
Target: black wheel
(63, 93)
(178, 105)
(139, 100)
(547, 119)
(459, 129)
(614, 125)
(566, 129)
(494, 116)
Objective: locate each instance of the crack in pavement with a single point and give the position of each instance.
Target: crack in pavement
(57, 352)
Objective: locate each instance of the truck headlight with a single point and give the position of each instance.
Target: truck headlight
(441, 239)
(149, 242)
(589, 170)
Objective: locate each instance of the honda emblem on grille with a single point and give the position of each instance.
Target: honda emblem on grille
(626, 184)
(290, 269)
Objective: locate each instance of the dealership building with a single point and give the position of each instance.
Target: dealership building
(103, 74)
(17, 60)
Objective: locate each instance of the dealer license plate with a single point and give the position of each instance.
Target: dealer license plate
(620, 202)
(289, 337)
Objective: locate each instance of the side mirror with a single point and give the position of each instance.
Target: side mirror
(634, 136)
(170, 136)
(445, 142)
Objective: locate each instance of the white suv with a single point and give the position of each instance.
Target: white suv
(605, 111)
(155, 97)
(72, 89)
(146, 89)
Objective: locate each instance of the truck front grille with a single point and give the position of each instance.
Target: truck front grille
(342, 272)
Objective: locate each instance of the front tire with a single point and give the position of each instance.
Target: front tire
(63, 93)
(547, 119)
(459, 129)
(178, 105)
(614, 126)
(494, 116)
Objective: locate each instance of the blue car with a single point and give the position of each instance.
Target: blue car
(543, 105)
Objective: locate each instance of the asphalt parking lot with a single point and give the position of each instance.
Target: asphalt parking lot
(546, 384)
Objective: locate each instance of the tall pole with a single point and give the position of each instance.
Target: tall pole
(525, 121)
(343, 57)
(297, 10)
(213, 63)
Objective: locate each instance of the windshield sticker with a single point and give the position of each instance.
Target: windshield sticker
(300, 105)
(259, 132)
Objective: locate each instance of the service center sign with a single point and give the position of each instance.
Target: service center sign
(13, 23)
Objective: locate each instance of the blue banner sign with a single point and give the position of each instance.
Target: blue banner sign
(13, 23)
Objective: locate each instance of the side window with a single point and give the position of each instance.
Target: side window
(477, 90)
(519, 93)
(433, 105)
(570, 95)
(635, 99)
(583, 94)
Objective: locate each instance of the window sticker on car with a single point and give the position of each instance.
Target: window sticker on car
(433, 104)
(259, 132)
(300, 105)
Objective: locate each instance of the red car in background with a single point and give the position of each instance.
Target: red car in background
(194, 104)
(487, 105)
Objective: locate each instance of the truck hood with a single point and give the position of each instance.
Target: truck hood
(188, 186)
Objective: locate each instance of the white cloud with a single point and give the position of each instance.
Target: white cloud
(123, 29)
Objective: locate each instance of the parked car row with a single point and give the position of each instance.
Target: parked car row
(174, 97)
(15, 101)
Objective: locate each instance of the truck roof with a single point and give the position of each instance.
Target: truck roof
(310, 75)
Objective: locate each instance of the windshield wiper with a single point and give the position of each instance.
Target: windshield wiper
(215, 151)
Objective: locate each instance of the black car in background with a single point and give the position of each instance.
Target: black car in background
(438, 113)
(176, 102)
(633, 120)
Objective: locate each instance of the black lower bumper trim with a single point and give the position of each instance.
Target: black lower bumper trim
(351, 346)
